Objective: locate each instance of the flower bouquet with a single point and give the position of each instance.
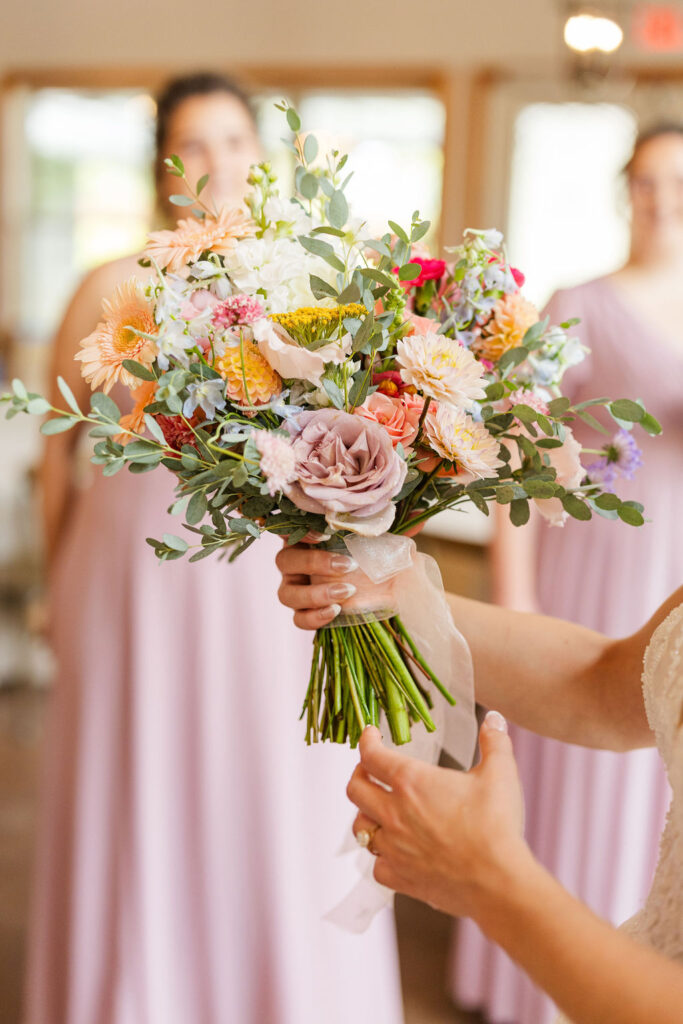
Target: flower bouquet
(298, 376)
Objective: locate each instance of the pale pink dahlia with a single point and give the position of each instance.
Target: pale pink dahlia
(278, 461)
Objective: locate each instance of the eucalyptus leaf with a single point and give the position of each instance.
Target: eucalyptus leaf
(38, 406)
(138, 370)
(630, 515)
(625, 409)
(175, 543)
(180, 200)
(293, 119)
(323, 249)
(576, 508)
(197, 507)
(68, 395)
(399, 232)
(308, 186)
(105, 406)
(202, 183)
(310, 148)
(338, 209)
(519, 512)
(409, 271)
(57, 425)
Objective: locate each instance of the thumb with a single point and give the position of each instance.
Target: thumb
(494, 741)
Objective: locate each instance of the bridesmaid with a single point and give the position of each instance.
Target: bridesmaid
(591, 815)
(189, 841)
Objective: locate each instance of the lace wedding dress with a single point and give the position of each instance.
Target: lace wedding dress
(660, 922)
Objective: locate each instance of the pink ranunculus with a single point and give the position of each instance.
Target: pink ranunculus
(567, 464)
(291, 360)
(398, 418)
(422, 324)
(347, 470)
(198, 301)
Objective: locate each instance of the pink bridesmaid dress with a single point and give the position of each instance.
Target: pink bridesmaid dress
(594, 817)
(190, 838)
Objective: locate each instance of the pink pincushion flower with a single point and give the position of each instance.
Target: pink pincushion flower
(530, 398)
(398, 418)
(237, 310)
(347, 470)
(278, 461)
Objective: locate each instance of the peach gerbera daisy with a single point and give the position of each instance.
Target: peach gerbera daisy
(135, 420)
(128, 317)
(512, 317)
(249, 378)
(173, 250)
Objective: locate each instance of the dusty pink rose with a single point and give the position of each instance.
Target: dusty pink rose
(291, 360)
(347, 470)
(398, 418)
(567, 464)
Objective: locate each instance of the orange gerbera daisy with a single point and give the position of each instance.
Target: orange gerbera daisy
(102, 353)
(172, 250)
(512, 317)
(135, 420)
(249, 378)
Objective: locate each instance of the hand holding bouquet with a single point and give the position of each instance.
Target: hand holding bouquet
(299, 376)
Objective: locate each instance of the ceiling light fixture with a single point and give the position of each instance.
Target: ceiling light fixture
(587, 32)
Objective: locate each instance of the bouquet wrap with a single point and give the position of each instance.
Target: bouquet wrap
(413, 589)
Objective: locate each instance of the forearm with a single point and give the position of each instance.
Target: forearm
(554, 677)
(595, 974)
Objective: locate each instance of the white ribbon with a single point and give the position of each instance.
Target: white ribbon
(419, 597)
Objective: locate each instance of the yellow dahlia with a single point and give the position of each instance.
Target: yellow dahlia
(173, 250)
(249, 378)
(135, 419)
(117, 337)
(512, 317)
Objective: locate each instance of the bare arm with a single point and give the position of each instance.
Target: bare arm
(454, 839)
(552, 677)
(595, 974)
(513, 562)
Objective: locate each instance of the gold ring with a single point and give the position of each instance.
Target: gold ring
(365, 836)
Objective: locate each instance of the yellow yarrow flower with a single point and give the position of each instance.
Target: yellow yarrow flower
(313, 325)
(249, 378)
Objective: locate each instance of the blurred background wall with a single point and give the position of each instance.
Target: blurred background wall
(480, 110)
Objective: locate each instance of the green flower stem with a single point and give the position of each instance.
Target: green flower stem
(396, 621)
(403, 681)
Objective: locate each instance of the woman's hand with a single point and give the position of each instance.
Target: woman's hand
(452, 839)
(318, 585)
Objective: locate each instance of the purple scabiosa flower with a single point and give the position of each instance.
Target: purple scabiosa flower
(622, 457)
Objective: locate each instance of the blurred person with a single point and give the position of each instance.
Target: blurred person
(592, 816)
(188, 846)
(455, 839)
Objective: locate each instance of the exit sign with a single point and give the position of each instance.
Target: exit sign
(658, 27)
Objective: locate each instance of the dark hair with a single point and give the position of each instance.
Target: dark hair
(655, 131)
(177, 90)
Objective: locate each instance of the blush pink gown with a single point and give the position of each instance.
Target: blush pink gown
(594, 817)
(190, 837)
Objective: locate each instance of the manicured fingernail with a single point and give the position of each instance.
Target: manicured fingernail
(494, 720)
(341, 590)
(334, 609)
(341, 563)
